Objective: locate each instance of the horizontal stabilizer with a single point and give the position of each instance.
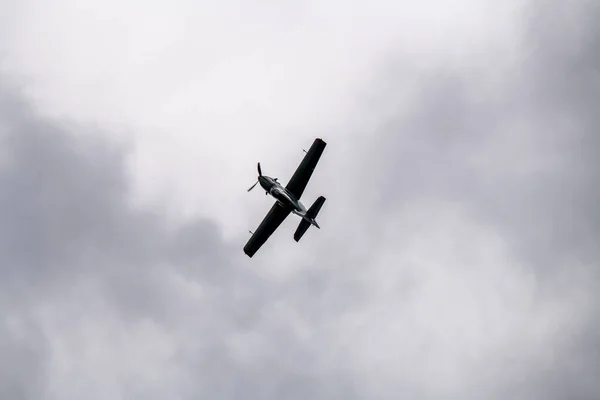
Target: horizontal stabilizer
(316, 207)
(301, 230)
(312, 214)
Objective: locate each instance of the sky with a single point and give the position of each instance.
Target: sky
(458, 256)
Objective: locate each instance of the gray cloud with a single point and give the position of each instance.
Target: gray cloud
(67, 224)
(68, 204)
(24, 351)
(523, 161)
(71, 244)
(536, 135)
(406, 300)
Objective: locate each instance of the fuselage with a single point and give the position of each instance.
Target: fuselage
(280, 194)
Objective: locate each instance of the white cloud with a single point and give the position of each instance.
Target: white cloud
(208, 89)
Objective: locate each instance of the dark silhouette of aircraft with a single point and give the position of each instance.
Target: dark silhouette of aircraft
(288, 200)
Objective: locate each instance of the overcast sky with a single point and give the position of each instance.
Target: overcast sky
(458, 256)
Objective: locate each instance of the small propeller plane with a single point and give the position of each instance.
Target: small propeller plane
(288, 200)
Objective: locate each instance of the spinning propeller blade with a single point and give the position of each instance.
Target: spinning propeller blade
(259, 174)
(252, 187)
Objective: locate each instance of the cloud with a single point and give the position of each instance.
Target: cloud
(69, 234)
(24, 351)
(521, 160)
(457, 258)
(248, 85)
(119, 297)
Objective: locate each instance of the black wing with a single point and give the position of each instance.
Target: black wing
(274, 218)
(304, 171)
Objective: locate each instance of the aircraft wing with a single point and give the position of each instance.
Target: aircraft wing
(274, 218)
(297, 184)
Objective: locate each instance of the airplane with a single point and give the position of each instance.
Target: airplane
(288, 200)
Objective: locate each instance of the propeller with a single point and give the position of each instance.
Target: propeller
(259, 174)
(252, 187)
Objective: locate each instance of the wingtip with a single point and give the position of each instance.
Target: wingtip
(247, 253)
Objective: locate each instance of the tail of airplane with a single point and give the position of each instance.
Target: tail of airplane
(311, 215)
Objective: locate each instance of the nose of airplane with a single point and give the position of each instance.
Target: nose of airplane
(264, 182)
